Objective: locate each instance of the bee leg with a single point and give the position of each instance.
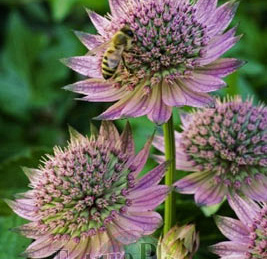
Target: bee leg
(124, 64)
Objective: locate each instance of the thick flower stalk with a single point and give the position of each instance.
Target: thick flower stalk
(175, 58)
(225, 146)
(87, 201)
(247, 235)
(180, 242)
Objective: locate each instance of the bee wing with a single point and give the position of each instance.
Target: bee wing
(99, 49)
(114, 59)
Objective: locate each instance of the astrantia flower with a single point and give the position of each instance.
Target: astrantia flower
(226, 146)
(174, 59)
(248, 235)
(180, 242)
(86, 199)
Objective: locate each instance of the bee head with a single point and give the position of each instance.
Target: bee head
(126, 30)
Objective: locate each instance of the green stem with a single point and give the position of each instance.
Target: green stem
(169, 142)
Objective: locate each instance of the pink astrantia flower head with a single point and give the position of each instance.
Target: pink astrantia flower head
(247, 235)
(87, 201)
(174, 59)
(226, 148)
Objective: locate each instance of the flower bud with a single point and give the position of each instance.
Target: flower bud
(179, 242)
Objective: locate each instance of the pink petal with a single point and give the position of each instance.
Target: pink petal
(233, 229)
(181, 164)
(222, 17)
(29, 230)
(172, 95)
(95, 246)
(89, 40)
(86, 65)
(105, 244)
(117, 7)
(109, 132)
(191, 183)
(114, 111)
(195, 99)
(43, 247)
(218, 49)
(159, 158)
(115, 247)
(24, 208)
(256, 191)
(210, 193)
(203, 83)
(110, 95)
(181, 159)
(127, 141)
(31, 194)
(148, 221)
(220, 39)
(229, 248)
(246, 210)
(33, 175)
(97, 90)
(137, 105)
(186, 119)
(221, 67)
(160, 112)
(72, 249)
(140, 159)
(74, 136)
(158, 143)
(90, 87)
(99, 22)
(148, 199)
(123, 232)
(233, 257)
(151, 178)
(204, 8)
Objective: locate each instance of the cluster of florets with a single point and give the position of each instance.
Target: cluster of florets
(228, 140)
(225, 146)
(258, 232)
(248, 234)
(87, 199)
(168, 39)
(86, 184)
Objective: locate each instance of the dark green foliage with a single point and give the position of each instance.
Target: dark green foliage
(35, 111)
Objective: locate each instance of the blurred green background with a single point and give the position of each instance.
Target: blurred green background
(35, 111)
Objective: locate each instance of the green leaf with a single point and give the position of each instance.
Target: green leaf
(14, 95)
(22, 46)
(98, 6)
(61, 8)
(12, 177)
(12, 244)
(253, 68)
(210, 210)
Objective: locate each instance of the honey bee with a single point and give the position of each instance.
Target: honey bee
(120, 42)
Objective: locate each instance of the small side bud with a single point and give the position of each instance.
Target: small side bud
(179, 242)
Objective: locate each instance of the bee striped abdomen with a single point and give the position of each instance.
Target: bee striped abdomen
(112, 57)
(110, 62)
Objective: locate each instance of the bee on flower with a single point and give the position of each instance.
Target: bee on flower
(170, 55)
